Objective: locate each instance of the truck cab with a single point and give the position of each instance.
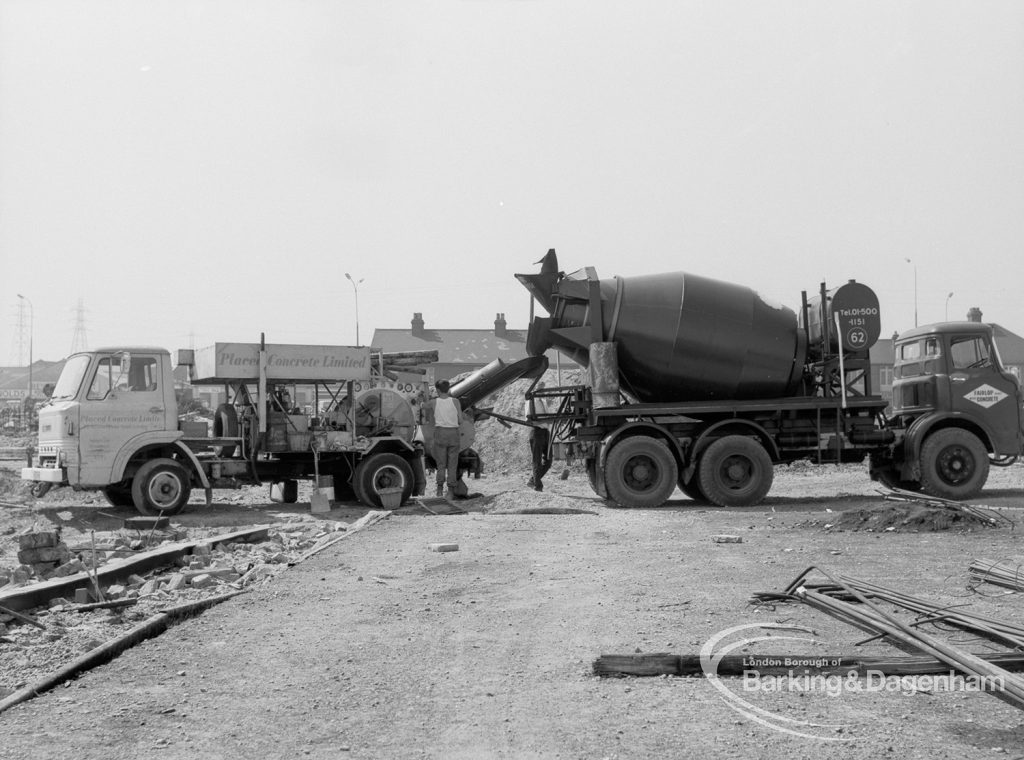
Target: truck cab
(958, 406)
(105, 402)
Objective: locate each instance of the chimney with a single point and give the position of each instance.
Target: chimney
(417, 323)
(500, 326)
(974, 314)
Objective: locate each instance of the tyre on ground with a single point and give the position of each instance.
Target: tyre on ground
(161, 487)
(887, 473)
(379, 472)
(954, 464)
(119, 495)
(692, 488)
(735, 471)
(640, 472)
(596, 482)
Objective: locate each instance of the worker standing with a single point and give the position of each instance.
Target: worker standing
(447, 416)
(540, 441)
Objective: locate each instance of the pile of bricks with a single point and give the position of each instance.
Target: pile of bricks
(41, 553)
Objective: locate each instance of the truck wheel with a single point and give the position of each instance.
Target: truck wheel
(886, 473)
(119, 495)
(735, 471)
(596, 483)
(692, 489)
(640, 472)
(954, 464)
(380, 471)
(225, 425)
(161, 486)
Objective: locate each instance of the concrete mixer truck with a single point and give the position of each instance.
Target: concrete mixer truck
(112, 425)
(705, 386)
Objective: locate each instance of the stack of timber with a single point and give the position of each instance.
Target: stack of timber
(402, 361)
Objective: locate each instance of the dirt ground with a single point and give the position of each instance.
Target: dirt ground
(379, 647)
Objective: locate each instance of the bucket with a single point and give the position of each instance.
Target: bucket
(325, 486)
(390, 498)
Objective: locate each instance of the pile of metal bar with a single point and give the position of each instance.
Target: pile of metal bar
(856, 602)
(997, 573)
(988, 515)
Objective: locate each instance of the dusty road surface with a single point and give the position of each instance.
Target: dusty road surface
(379, 647)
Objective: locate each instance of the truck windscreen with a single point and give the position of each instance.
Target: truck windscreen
(71, 377)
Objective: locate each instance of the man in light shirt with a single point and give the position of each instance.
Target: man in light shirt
(447, 416)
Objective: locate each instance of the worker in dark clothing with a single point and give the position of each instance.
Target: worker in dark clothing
(540, 450)
(540, 442)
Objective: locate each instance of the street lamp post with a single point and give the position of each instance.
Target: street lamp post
(915, 289)
(31, 331)
(947, 304)
(355, 289)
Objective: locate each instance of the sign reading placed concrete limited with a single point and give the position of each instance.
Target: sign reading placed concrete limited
(224, 362)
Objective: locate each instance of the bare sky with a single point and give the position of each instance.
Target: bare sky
(206, 171)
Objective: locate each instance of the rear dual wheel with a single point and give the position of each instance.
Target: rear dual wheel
(692, 488)
(640, 472)
(735, 471)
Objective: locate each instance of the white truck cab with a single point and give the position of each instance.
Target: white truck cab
(104, 403)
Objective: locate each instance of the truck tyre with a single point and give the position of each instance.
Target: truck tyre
(886, 473)
(225, 425)
(735, 471)
(378, 472)
(692, 489)
(954, 464)
(161, 487)
(640, 472)
(119, 495)
(596, 483)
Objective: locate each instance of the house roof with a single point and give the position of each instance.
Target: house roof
(42, 372)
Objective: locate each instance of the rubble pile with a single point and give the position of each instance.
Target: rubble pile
(506, 450)
(36, 642)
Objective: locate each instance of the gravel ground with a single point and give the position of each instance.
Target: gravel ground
(379, 647)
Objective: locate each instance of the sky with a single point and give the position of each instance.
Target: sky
(191, 171)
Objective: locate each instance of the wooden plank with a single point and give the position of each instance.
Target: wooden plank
(38, 594)
(660, 663)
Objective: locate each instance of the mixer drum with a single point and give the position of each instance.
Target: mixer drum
(683, 337)
(382, 411)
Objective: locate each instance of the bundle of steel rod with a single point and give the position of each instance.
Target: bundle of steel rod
(867, 615)
(986, 514)
(997, 573)
(851, 589)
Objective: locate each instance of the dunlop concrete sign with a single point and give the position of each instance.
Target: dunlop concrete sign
(225, 362)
